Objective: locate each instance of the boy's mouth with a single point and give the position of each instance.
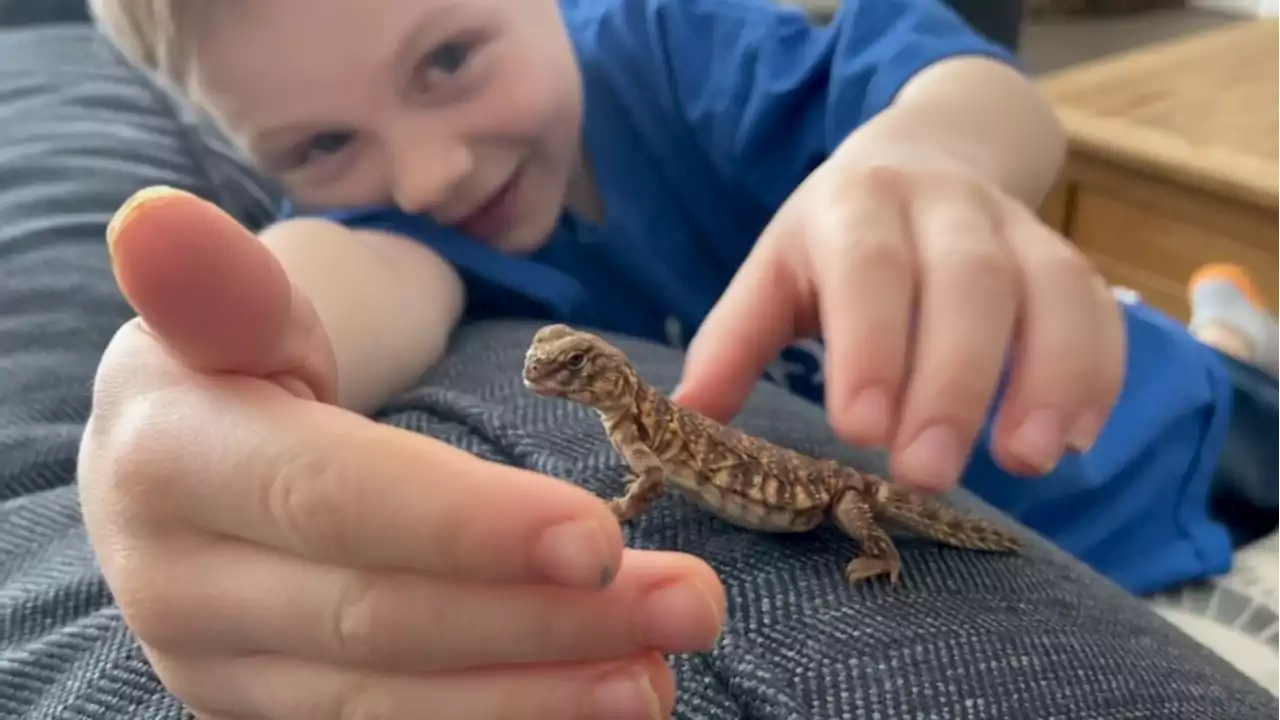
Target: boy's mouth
(495, 214)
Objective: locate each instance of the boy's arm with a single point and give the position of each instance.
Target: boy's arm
(388, 304)
(771, 96)
(981, 114)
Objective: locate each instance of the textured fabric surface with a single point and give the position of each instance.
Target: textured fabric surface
(964, 636)
(79, 132)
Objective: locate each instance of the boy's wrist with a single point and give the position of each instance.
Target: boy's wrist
(968, 115)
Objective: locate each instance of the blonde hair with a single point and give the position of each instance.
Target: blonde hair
(156, 35)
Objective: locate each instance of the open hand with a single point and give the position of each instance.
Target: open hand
(279, 557)
(926, 284)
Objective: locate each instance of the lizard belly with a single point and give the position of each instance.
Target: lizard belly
(740, 510)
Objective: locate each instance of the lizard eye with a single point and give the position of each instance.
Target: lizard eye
(576, 360)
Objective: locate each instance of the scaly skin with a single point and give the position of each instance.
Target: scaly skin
(745, 480)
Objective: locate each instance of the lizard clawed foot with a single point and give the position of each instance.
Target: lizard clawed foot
(639, 496)
(620, 509)
(865, 568)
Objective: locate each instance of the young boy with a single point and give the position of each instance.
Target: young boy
(722, 174)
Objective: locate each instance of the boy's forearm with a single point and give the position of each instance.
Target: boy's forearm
(983, 115)
(387, 304)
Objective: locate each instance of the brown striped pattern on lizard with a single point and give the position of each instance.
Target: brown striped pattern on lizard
(743, 479)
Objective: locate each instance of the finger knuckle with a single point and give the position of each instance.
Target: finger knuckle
(131, 364)
(986, 261)
(556, 697)
(156, 607)
(523, 702)
(122, 453)
(559, 634)
(875, 179)
(969, 190)
(960, 396)
(1070, 262)
(116, 373)
(354, 627)
(134, 431)
(882, 256)
(303, 498)
(961, 406)
(360, 699)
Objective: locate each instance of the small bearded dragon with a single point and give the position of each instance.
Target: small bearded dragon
(745, 480)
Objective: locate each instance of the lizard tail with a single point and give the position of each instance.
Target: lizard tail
(942, 523)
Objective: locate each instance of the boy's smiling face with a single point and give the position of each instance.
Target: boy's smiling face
(468, 111)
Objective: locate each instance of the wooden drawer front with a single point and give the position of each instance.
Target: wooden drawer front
(1053, 211)
(1156, 291)
(1164, 253)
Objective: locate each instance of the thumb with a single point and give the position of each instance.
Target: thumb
(752, 322)
(215, 296)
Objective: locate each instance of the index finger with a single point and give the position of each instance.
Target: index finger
(743, 333)
(321, 483)
(867, 280)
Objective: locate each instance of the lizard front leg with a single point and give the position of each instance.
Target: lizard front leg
(644, 484)
(853, 514)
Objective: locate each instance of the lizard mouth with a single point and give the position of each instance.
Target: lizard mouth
(536, 384)
(544, 390)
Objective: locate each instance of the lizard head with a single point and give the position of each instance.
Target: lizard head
(578, 366)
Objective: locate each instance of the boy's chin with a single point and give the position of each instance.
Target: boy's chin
(524, 239)
(520, 243)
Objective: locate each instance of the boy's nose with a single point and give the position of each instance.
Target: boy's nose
(426, 179)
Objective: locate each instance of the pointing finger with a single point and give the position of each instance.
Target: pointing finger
(745, 331)
(865, 270)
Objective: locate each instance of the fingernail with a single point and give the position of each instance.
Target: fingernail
(575, 554)
(680, 617)
(934, 459)
(1038, 441)
(625, 694)
(130, 206)
(867, 417)
(1084, 433)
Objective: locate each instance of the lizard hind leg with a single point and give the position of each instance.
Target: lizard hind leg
(852, 514)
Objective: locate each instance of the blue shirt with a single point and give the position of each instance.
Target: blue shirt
(701, 117)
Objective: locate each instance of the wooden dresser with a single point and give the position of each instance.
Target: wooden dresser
(1173, 160)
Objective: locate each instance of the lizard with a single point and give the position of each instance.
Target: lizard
(746, 480)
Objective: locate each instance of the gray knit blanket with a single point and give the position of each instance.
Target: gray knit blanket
(965, 635)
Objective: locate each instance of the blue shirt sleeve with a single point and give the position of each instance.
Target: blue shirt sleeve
(768, 92)
(1135, 507)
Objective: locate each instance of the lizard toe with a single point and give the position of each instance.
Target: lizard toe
(865, 568)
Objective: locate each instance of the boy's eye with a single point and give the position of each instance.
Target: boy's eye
(447, 58)
(320, 145)
(326, 143)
